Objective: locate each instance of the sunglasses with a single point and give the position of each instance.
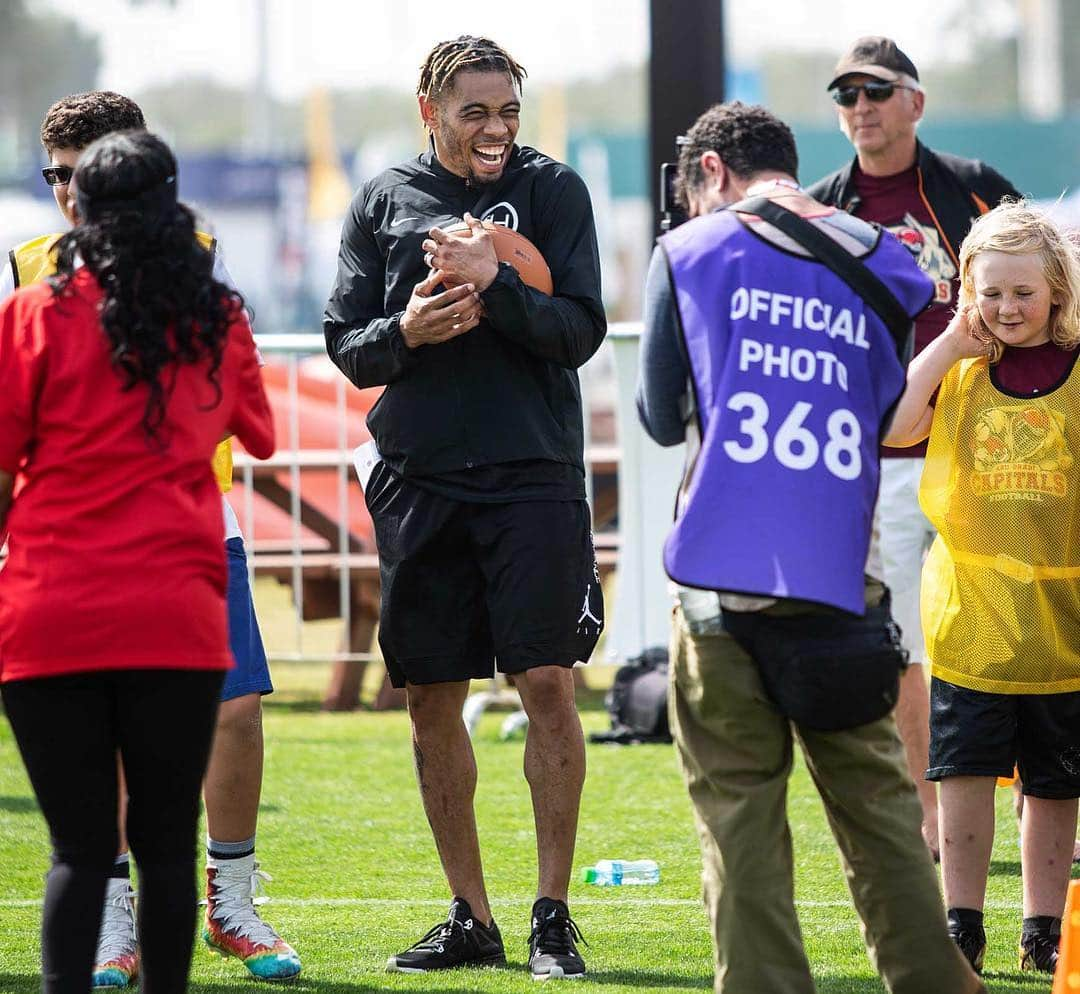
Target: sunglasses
(877, 92)
(57, 175)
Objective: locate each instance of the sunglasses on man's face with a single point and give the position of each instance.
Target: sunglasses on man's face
(57, 175)
(877, 92)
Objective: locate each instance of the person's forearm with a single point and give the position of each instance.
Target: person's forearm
(914, 415)
(662, 384)
(663, 374)
(563, 330)
(663, 425)
(362, 339)
(371, 355)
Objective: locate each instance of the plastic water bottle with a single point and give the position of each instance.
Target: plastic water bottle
(616, 872)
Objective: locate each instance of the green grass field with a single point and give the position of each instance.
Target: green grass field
(356, 876)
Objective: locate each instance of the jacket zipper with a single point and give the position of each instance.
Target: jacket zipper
(937, 224)
(459, 347)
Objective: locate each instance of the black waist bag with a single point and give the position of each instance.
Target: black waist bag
(825, 671)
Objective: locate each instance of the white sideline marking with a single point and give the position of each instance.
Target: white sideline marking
(363, 902)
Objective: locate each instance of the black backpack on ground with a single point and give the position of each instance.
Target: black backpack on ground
(637, 701)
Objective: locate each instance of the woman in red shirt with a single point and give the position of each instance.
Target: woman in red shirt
(117, 379)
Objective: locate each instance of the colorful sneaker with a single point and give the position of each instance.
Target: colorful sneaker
(1039, 953)
(233, 926)
(971, 941)
(553, 954)
(116, 962)
(461, 940)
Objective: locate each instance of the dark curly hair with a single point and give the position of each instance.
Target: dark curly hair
(82, 118)
(466, 53)
(748, 139)
(161, 303)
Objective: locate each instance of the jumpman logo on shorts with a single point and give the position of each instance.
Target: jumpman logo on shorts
(586, 608)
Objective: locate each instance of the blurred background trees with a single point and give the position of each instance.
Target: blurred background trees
(41, 54)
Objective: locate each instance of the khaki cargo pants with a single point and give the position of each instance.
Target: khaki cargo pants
(735, 750)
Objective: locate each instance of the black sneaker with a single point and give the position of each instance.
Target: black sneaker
(971, 940)
(553, 954)
(1039, 953)
(461, 940)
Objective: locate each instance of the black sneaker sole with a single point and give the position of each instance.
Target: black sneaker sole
(498, 959)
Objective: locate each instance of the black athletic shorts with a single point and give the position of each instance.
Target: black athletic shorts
(466, 586)
(974, 734)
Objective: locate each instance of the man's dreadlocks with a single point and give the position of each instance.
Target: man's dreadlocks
(466, 53)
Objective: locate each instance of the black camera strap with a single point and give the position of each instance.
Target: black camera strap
(851, 270)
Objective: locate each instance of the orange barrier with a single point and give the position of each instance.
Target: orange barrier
(271, 524)
(317, 427)
(317, 379)
(1067, 975)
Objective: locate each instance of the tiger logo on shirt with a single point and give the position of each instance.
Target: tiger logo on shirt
(923, 241)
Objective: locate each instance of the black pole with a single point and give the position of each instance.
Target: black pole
(686, 75)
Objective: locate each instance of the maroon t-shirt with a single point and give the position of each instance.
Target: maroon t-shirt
(895, 203)
(1032, 371)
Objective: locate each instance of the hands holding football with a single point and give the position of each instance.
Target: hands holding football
(463, 253)
(431, 318)
(461, 248)
(464, 259)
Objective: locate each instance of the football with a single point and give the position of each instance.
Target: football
(515, 249)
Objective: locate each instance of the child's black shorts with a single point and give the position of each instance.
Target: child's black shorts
(467, 585)
(975, 734)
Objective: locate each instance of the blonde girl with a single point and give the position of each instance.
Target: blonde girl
(1001, 585)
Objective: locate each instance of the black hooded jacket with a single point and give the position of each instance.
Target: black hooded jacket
(955, 190)
(506, 391)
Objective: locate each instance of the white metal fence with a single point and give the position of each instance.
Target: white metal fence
(340, 554)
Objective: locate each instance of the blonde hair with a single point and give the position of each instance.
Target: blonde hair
(1017, 228)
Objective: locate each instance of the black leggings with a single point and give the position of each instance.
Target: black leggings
(69, 730)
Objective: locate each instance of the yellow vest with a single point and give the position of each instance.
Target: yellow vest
(34, 261)
(1001, 585)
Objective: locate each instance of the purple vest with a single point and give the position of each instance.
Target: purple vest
(792, 374)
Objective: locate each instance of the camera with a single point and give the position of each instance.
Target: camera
(671, 214)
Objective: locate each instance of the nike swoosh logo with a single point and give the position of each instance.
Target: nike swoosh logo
(402, 220)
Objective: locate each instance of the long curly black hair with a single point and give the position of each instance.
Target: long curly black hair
(161, 304)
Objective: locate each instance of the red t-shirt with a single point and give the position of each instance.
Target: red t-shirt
(114, 552)
(1032, 371)
(894, 202)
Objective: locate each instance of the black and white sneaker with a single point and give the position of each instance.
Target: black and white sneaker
(461, 940)
(553, 953)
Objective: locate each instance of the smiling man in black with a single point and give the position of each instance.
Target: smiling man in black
(478, 501)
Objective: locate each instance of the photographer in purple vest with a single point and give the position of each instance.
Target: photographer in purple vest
(781, 378)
